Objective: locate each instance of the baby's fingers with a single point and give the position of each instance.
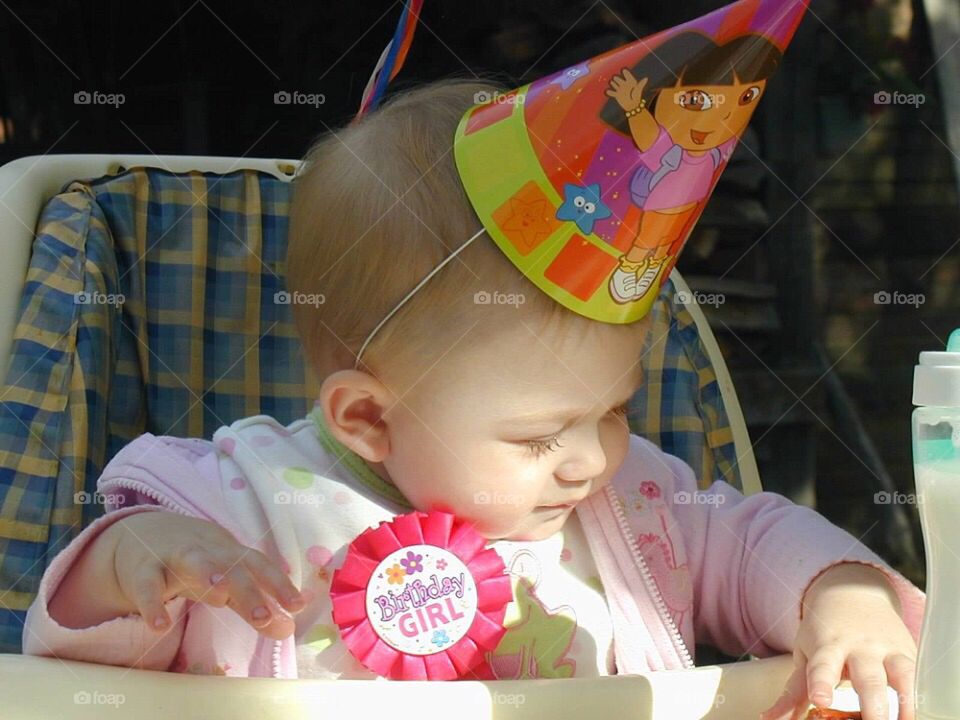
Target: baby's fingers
(869, 679)
(900, 672)
(255, 607)
(794, 696)
(197, 575)
(274, 580)
(145, 591)
(824, 671)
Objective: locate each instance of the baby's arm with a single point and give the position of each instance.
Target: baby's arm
(139, 563)
(100, 597)
(73, 605)
(96, 626)
(752, 558)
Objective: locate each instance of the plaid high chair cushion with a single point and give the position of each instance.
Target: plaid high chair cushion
(680, 407)
(152, 305)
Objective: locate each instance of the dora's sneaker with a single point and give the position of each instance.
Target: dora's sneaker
(623, 281)
(646, 277)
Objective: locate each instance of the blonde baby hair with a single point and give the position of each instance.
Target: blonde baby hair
(376, 206)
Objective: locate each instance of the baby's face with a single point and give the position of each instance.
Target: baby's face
(514, 434)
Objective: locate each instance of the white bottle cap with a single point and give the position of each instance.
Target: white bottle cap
(936, 380)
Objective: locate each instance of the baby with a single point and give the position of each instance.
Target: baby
(215, 556)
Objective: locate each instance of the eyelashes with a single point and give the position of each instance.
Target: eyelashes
(542, 447)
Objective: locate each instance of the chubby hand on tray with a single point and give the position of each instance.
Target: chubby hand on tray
(850, 628)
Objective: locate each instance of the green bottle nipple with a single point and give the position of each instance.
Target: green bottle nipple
(953, 344)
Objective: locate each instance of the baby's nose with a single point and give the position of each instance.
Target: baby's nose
(583, 472)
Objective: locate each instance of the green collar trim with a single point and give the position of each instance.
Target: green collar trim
(354, 463)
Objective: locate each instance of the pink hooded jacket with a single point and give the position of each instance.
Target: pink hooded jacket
(676, 563)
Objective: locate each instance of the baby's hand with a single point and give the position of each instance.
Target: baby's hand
(850, 622)
(163, 555)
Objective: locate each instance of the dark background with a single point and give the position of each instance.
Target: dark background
(830, 198)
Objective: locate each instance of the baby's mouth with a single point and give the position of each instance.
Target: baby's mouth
(564, 506)
(699, 137)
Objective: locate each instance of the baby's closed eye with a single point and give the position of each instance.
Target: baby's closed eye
(540, 446)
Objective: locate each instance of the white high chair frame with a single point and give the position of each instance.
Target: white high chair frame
(41, 687)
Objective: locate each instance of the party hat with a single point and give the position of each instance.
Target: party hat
(591, 179)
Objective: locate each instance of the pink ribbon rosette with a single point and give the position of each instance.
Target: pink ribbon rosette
(421, 598)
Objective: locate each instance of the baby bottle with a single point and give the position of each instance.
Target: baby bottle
(936, 457)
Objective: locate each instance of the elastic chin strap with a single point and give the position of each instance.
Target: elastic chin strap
(438, 268)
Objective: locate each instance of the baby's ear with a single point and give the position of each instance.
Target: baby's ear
(353, 404)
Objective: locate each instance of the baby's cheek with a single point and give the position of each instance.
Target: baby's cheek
(616, 446)
(495, 510)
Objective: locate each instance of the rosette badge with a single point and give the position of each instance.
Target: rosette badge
(421, 598)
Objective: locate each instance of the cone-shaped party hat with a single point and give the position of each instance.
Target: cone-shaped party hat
(591, 179)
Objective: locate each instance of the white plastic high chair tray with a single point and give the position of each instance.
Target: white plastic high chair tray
(34, 687)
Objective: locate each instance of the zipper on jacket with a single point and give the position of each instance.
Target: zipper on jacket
(641, 561)
(275, 655)
(144, 489)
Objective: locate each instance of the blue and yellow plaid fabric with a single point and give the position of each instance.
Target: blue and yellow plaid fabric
(680, 407)
(197, 341)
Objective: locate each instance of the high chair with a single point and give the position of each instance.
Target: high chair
(144, 294)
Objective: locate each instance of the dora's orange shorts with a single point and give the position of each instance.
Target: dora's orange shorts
(658, 229)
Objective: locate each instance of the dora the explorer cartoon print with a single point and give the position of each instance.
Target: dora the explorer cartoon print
(684, 105)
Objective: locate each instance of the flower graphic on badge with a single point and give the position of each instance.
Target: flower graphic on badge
(411, 563)
(395, 575)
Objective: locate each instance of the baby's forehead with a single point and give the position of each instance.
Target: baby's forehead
(555, 361)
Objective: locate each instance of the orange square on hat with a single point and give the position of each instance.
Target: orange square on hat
(527, 218)
(580, 268)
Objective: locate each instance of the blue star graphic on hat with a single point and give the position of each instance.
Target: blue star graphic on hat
(582, 205)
